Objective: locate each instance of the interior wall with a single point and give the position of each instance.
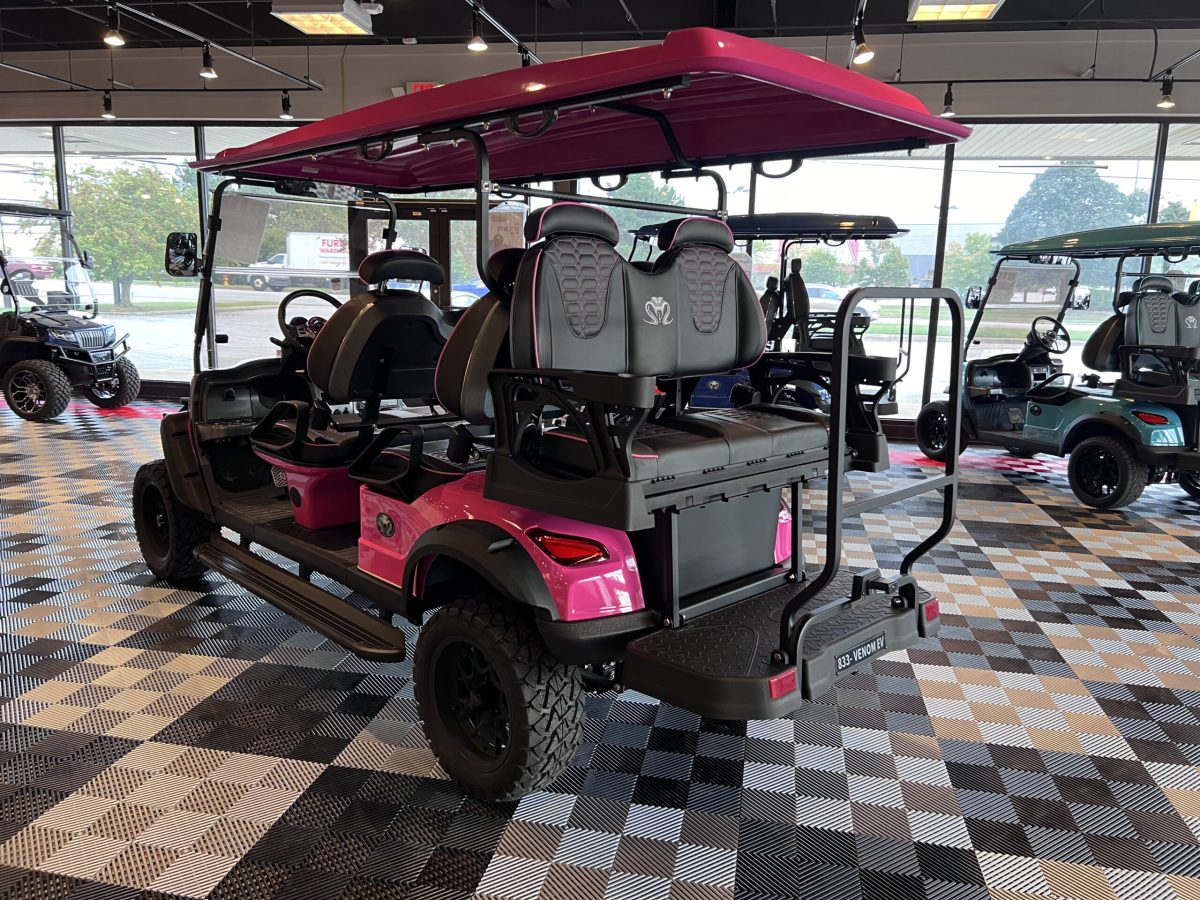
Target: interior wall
(354, 76)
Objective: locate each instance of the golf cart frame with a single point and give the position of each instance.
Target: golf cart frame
(663, 629)
(1140, 432)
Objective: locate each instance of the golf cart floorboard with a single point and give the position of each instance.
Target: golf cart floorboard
(719, 665)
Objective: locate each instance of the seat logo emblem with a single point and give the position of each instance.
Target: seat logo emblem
(1189, 322)
(384, 525)
(658, 311)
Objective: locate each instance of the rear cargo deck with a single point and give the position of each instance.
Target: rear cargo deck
(719, 665)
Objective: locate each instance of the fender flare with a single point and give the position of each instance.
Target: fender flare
(492, 553)
(1110, 420)
(183, 466)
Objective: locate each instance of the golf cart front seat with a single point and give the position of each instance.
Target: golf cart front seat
(383, 344)
(590, 335)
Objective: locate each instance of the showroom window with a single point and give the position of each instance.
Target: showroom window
(1019, 182)
(129, 186)
(27, 165)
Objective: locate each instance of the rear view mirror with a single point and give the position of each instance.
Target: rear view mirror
(181, 260)
(88, 262)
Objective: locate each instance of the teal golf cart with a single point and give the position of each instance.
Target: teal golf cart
(1034, 395)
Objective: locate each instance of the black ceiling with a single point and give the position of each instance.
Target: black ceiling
(79, 24)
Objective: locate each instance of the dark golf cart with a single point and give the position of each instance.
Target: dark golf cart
(1123, 434)
(48, 341)
(560, 520)
(794, 319)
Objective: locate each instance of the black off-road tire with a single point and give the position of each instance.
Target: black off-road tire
(931, 432)
(129, 385)
(168, 532)
(1105, 472)
(1190, 482)
(541, 699)
(53, 387)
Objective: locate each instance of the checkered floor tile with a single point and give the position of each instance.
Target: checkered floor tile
(165, 743)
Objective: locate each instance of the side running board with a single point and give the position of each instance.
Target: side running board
(323, 612)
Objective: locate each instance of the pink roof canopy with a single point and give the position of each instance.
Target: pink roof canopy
(731, 99)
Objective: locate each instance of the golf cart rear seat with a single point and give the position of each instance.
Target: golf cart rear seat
(590, 337)
(1161, 347)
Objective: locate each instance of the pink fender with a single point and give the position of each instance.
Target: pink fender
(588, 591)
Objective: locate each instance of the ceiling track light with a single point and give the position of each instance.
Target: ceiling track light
(107, 112)
(206, 68)
(476, 44)
(948, 101)
(1168, 87)
(285, 111)
(863, 54)
(113, 36)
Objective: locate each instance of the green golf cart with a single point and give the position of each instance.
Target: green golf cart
(1139, 427)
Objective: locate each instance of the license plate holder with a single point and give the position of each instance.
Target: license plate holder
(859, 654)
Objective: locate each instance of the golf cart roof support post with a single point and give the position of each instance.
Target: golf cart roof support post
(483, 192)
(204, 305)
(1070, 292)
(718, 179)
(546, 194)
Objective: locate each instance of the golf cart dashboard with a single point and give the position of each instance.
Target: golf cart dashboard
(1006, 377)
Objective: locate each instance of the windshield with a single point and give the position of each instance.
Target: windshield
(43, 267)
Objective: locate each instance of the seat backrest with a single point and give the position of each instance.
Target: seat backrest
(799, 303)
(1159, 318)
(579, 305)
(1101, 353)
(383, 344)
(478, 344)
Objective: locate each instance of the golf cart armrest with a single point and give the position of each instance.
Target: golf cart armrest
(292, 414)
(597, 387)
(399, 478)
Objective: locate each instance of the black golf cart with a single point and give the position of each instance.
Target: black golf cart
(48, 341)
(1138, 428)
(559, 519)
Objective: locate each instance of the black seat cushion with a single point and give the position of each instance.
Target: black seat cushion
(697, 442)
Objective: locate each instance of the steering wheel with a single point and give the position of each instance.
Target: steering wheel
(1055, 340)
(299, 333)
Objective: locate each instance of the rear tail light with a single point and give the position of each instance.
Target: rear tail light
(1152, 418)
(567, 550)
(782, 684)
(932, 610)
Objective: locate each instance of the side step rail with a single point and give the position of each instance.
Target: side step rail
(323, 612)
(903, 589)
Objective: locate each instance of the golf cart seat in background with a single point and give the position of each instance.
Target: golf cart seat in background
(1161, 349)
(1102, 352)
(382, 345)
(814, 332)
(583, 316)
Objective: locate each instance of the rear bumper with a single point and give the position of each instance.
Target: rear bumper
(1169, 457)
(719, 665)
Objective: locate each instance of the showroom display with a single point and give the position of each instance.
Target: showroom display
(48, 343)
(560, 515)
(1121, 435)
